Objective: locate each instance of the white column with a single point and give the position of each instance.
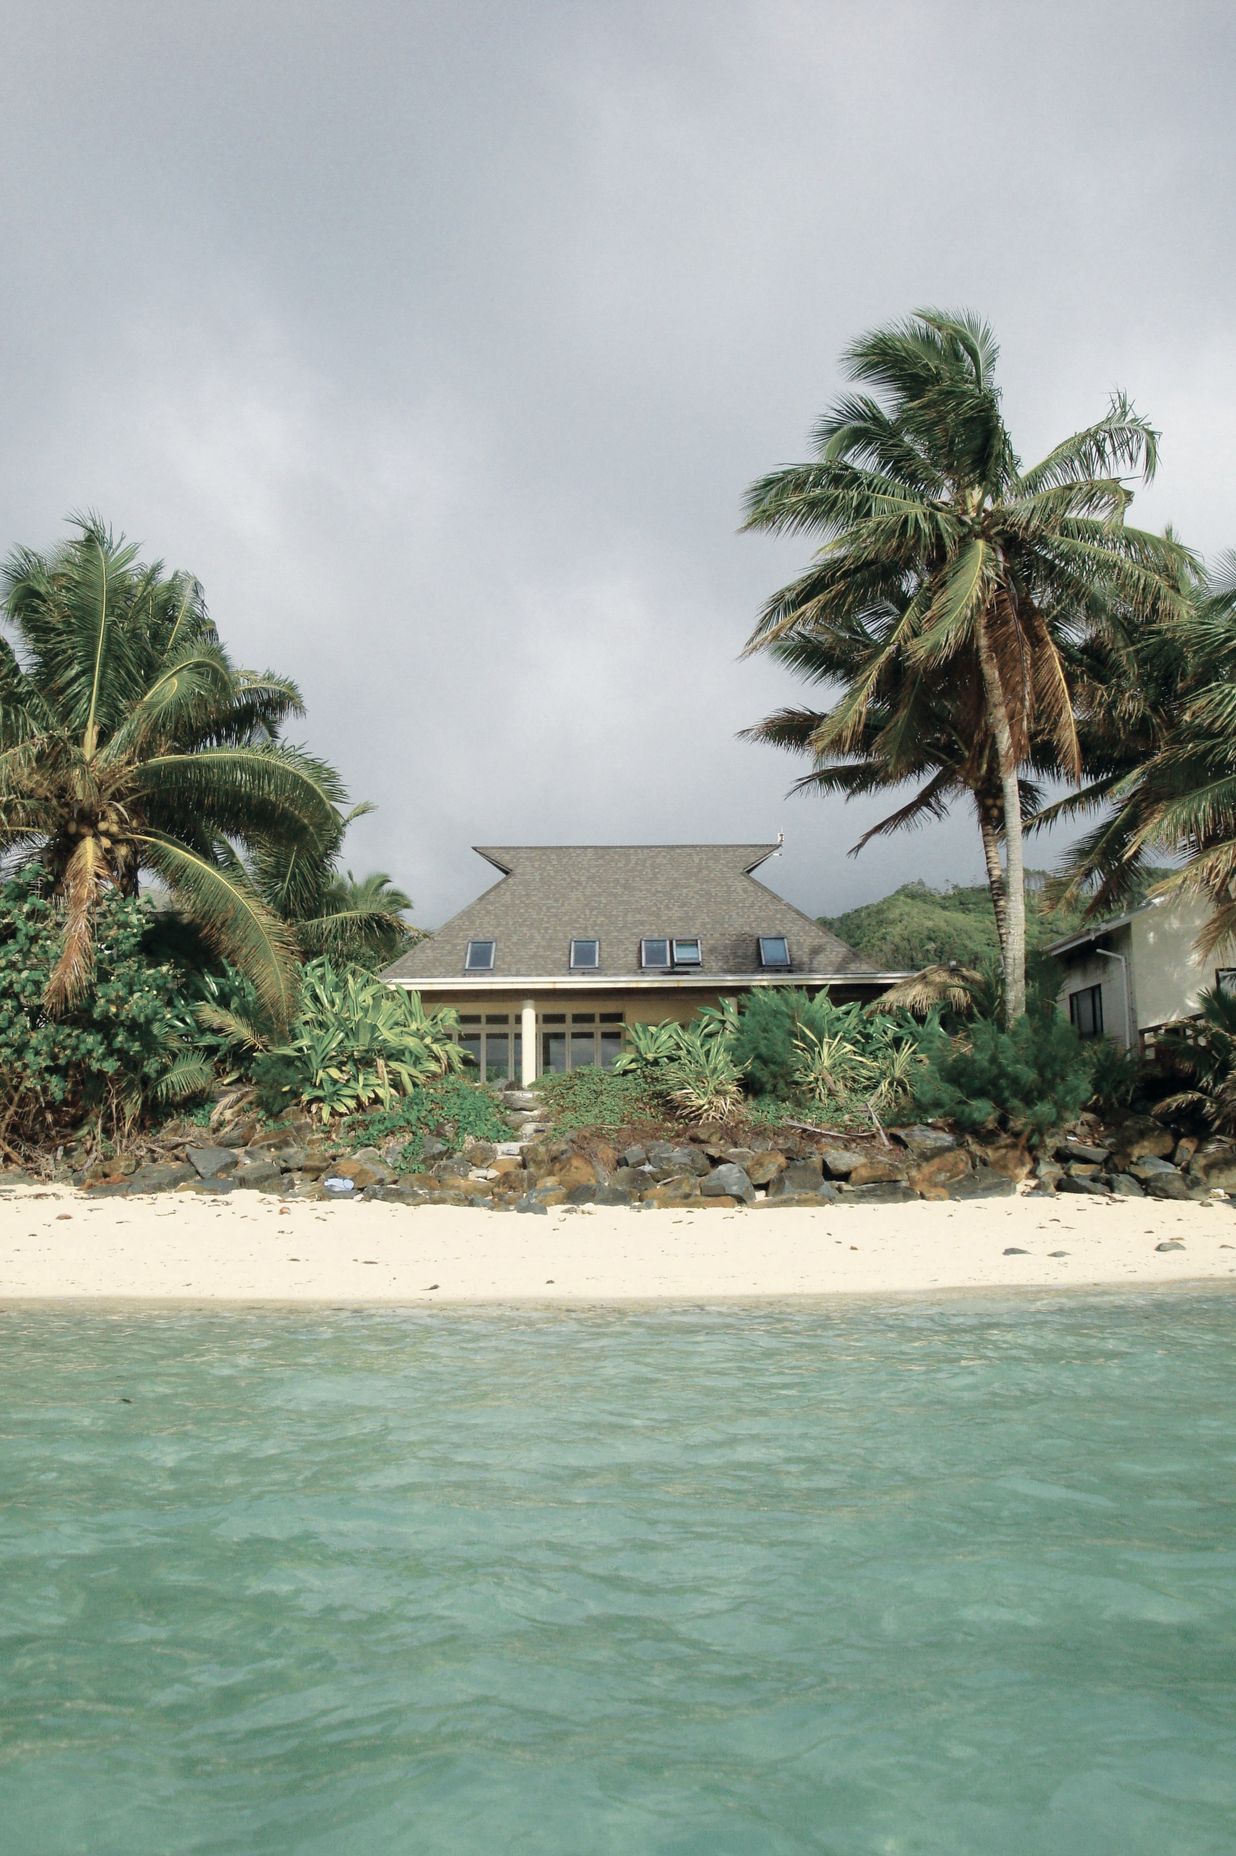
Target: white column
(529, 1068)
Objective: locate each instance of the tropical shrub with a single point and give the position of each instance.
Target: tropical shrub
(594, 1098)
(119, 1050)
(1116, 1076)
(1201, 1055)
(452, 1110)
(692, 1069)
(769, 1022)
(354, 1043)
(1026, 1081)
(866, 1068)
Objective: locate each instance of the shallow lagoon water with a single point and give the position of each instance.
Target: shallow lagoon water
(894, 1579)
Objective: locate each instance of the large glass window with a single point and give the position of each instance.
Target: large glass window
(586, 954)
(774, 950)
(687, 951)
(492, 1044)
(654, 952)
(1086, 1011)
(580, 1040)
(480, 957)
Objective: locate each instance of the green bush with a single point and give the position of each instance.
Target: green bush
(453, 1110)
(116, 1052)
(594, 1098)
(1027, 1080)
(769, 1022)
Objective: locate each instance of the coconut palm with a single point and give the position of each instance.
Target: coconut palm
(1162, 750)
(130, 744)
(992, 570)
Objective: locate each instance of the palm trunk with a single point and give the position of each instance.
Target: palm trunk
(989, 831)
(1013, 951)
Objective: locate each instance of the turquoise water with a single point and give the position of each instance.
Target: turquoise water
(891, 1579)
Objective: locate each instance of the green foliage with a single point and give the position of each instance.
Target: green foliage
(354, 1043)
(118, 1050)
(1202, 1056)
(918, 926)
(1027, 1080)
(692, 1070)
(452, 1110)
(594, 1098)
(769, 1023)
(1116, 1076)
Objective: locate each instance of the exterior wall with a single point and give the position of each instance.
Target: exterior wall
(1166, 976)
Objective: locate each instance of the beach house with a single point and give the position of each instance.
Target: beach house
(573, 942)
(1128, 977)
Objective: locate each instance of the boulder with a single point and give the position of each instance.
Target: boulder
(1082, 1183)
(839, 1162)
(631, 1179)
(1082, 1151)
(1150, 1168)
(828, 1194)
(529, 1204)
(211, 1162)
(1083, 1169)
(985, 1182)
(292, 1158)
(576, 1170)
(635, 1156)
(257, 1172)
(240, 1134)
(1169, 1185)
(881, 1192)
(112, 1189)
(877, 1172)
(1215, 1163)
(614, 1194)
(1124, 1185)
(764, 1167)
(397, 1195)
(690, 1160)
(923, 1141)
(737, 1156)
(1140, 1138)
(216, 1186)
(479, 1153)
(1184, 1150)
(681, 1189)
(728, 1181)
(797, 1176)
(161, 1178)
(1007, 1154)
(366, 1168)
(940, 1169)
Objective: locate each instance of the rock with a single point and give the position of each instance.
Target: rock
(317, 1161)
(1014, 1250)
(839, 1162)
(1140, 1138)
(1008, 1155)
(575, 1170)
(940, 1169)
(365, 1169)
(160, 1177)
(529, 1204)
(1048, 1175)
(397, 1195)
(211, 1162)
(923, 1141)
(1146, 1169)
(983, 1183)
(614, 1194)
(877, 1172)
(689, 1160)
(1172, 1244)
(257, 1173)
(1215, 1162)
(217, 1186)
(1057, 1253)
(1124, 1185)
(1169, 1185)
(240, 1134)
(881, 1192)
(584, 1194)
(728, 1181)
(1184, 1150)
(479, 1153)
(1083, 1151)
(738, 1156)
(292, 1158)
(658, 1153)
(1083, 1169)
(797, 1176)
(680, 1190)
(524, 1099)
(109, 1189)
(635, 1156)
(719, 1202)
(1082, 1183)
(764, 1167)
(827, 1194)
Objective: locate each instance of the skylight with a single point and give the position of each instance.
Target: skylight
(687, 951)
(480, 957)
(654, 952)
(586, 953)
(774, 950)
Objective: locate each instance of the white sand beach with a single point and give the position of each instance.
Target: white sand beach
(60, 1244)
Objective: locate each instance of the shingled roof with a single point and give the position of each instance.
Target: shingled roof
(549, 894)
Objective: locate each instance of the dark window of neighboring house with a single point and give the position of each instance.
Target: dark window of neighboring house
(480, 958)
(1225, 979)
(774, 950)
(1086, 1012)
(687, 951)
(585, 953)
(654, 952)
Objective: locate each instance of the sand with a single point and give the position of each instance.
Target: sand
(60, 1244)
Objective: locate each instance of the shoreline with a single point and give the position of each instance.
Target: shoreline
(59, 1246)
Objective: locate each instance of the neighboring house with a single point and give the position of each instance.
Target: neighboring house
(1126, 978)
(576, 941)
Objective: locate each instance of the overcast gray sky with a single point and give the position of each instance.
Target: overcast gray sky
(441, 339)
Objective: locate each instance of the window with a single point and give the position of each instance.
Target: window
(1086, 1012)
(584, 1039)
(480, 957)
(1225, 979)
(585, 953)
(774, 950)
(654, 953)
(493, 1045)
(687, 951)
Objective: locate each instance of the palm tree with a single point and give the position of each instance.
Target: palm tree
(129, 743)
(915, 729)
(1161, 747)
(996, 574)
(359, 921)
